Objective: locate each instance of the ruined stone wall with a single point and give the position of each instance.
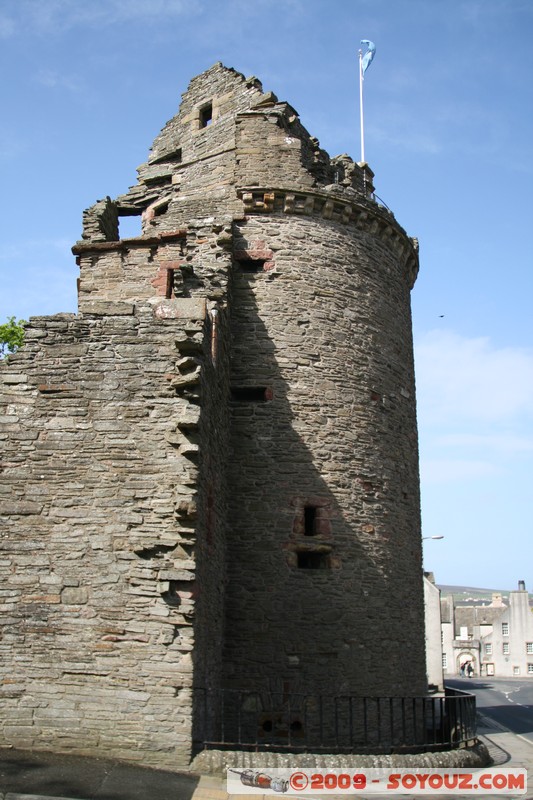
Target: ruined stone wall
(100, 521)
(231, 412)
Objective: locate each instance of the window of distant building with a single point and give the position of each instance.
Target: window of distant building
(530, 669)
(444, 660)
(505, 629)
(488, 649)
(516, 670)
(529, 648)
(506, 648)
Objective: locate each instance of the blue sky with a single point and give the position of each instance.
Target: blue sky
(86, 86)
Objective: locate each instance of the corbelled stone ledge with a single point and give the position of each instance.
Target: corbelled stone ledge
(123, 244)
(336, 205)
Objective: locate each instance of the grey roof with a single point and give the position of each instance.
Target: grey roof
(469, 616)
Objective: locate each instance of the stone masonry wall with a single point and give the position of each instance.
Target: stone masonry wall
(210, 475)
(325, 327)
(99, 506)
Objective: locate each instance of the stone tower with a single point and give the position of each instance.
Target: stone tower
(210, 473)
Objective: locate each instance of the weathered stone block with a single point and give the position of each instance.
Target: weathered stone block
(20, 507)
(180, 308)
(107, 308)
(71, 595)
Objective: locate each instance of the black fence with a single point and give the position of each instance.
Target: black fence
(264, 720)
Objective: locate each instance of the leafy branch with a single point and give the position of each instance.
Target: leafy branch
(11, 336)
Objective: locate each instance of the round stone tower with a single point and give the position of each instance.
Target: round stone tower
(324, 558)
(215, 464)
(315, 505)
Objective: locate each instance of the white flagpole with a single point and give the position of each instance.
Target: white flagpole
(361, 105)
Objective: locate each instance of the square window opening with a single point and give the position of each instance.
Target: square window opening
(312, 560)
(252, 265)
(161, 209)
(130, 226)
(250, 394)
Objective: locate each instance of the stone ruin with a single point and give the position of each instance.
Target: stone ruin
(210, 473)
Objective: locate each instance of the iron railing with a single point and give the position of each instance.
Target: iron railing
(265, 720)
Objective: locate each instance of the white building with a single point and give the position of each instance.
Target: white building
(433, 633)
(494, 639)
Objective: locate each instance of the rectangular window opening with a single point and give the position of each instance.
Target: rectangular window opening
(206, 115)
(177, 156)
(174, 157)
(252, 265)
(308, 559)
(158, 180)
(505, 629)
(310, 518)
(529, 648)
(250, 394)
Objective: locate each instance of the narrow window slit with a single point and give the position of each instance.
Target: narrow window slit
(206, 115)
(169, 293)
(310, 518)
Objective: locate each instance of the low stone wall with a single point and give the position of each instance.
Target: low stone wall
(216, 762)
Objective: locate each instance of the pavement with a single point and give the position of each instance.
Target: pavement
(42, 776)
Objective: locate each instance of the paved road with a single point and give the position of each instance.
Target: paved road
(508, 701)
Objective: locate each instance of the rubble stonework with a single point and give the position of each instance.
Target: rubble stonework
(210, 474)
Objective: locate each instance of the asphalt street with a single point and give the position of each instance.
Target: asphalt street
(507, 701)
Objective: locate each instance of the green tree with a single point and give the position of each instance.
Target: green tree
(11, 336)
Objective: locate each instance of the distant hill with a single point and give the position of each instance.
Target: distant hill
(472, 595)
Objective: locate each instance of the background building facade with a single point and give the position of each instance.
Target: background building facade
(495, 638)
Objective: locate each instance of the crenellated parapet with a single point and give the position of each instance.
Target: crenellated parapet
(342, 206)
